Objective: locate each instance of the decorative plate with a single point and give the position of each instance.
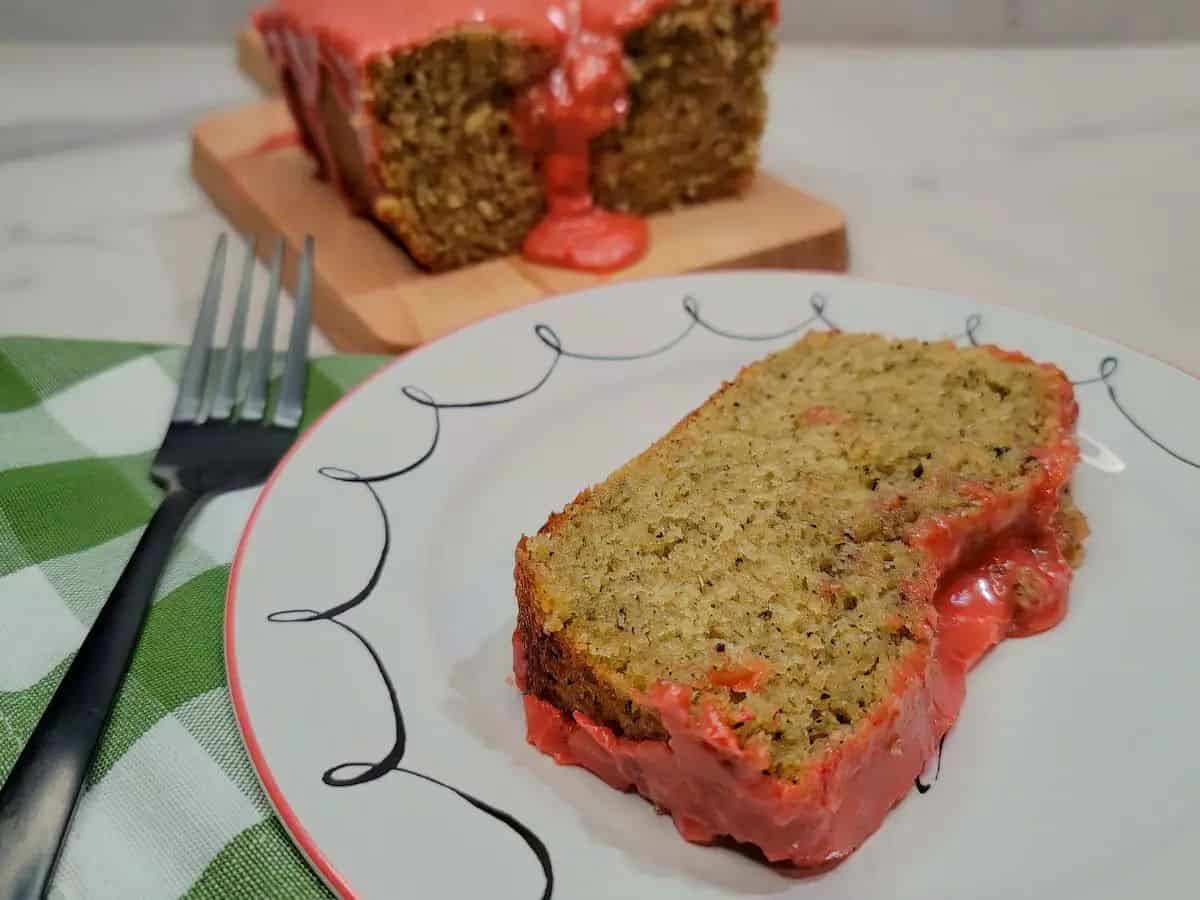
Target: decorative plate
(371, 607)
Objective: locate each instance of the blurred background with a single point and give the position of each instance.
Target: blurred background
(989, 22)
(1043, 154)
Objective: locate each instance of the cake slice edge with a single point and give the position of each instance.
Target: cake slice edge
(688, 760)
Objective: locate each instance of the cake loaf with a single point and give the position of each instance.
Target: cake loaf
(472, 128)
(763, 622)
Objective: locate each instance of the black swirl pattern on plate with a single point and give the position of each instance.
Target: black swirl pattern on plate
(350, 774)
(558, 352)
(923, 787)
(1105, 372)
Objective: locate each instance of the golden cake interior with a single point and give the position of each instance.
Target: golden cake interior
(770, 526)
(459, 186)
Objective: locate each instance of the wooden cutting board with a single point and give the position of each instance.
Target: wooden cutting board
(369, 295)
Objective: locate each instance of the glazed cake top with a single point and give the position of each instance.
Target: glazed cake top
(361, 29)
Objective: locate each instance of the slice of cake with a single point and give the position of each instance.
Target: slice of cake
(763, 622)
(471, 128)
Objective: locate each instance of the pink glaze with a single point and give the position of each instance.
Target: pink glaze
(584, 95)
(713, 786)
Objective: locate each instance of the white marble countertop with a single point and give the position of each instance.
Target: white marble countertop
(1065, 182)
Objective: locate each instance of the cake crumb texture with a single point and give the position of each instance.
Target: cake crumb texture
(758, 553)
(698, 106)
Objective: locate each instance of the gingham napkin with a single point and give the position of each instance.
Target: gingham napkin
(172, 807)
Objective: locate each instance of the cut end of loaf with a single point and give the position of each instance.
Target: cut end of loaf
(457, 184)
(697, 107)
(417, 129)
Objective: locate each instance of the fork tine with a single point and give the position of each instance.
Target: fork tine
(256, 393)
(290, 406)
(232, 366)
(195, 368)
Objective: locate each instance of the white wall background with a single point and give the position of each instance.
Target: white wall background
(856, 21)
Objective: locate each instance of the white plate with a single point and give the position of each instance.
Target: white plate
(1071, 773)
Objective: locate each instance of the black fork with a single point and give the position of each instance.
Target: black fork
(213, 445)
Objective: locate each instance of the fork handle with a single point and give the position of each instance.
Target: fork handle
(39, 798)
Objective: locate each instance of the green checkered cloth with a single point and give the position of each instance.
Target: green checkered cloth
(172, 807)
